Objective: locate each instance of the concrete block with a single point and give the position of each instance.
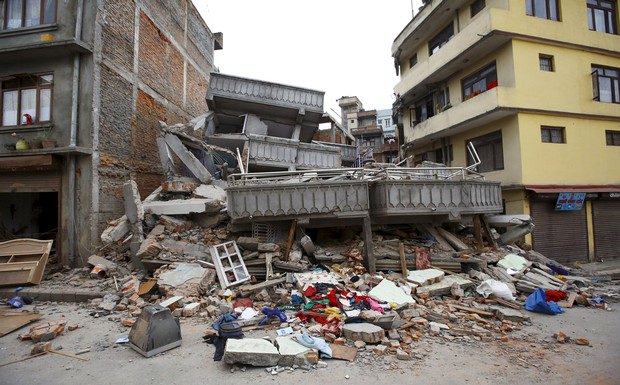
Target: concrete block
(366, 332)
(508, 314)
(191, 309)
(251, 351)
(291, 352)
(425, 277)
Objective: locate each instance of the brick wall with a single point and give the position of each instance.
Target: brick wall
(129, 127)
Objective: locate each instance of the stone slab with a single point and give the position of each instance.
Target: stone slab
(508, 314)
(444, 287)
(387, 291)
(425, 277)
(366, 332)
(251, 351)
(291, 352)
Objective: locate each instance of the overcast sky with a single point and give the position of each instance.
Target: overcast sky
(341, 47)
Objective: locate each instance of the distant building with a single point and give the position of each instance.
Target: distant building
(97, 77)
(536, 90)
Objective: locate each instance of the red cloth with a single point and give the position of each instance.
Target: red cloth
(555, 295)
(310, 291)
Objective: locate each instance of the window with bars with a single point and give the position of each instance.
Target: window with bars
(552, 134)
(602, 16)
(490, 150)
(545, 9)
(546, 63)
(612, 138)
(26, 95)
(16, 14)
(606, 84)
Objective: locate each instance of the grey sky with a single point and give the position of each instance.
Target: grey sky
(341, 47)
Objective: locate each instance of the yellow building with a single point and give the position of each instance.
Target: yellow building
(535, 86)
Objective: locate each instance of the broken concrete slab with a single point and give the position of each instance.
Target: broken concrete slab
(504, 313)
(116, 230)
(387, 291)
(182, 273)
(291, 352)
(445, 286)
(425, 277)
(251, 351)
(210, 191)
(366, 332)
(183, 206)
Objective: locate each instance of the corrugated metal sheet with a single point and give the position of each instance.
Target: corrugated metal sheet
(20, 182)
(559, 235)
(606, 218)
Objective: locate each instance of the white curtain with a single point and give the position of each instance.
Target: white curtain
(14, 14)
(33, 12)
(45, 101)
(49, 12)
(29, 103)
(9, 108)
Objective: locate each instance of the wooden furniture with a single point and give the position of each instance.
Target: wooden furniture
(22, 261)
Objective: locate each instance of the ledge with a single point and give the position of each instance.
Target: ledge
(43, 151)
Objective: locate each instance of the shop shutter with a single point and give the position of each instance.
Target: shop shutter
(606, 218)
(20, 182)
(559, 235)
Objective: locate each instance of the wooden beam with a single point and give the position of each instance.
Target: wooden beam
(488, 233)
(403, 260)
(443, 244)
(453, 240)
(291, 237)
(478, 233)
(472, 310)
(368, 246)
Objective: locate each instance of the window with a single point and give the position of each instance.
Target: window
(606, 84)
(388, 122)
(29, 94)
(443, 98)
(26, 13)
(439, 155)
(602, 16)
(545, 9)
(424, 109)
(480, 82)
(441, 39)
(613, 138)
(552, 134)
(546, 63)
(413, 60)
(490, 150)
(476, 7)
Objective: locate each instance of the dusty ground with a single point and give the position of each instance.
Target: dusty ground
(530, 356)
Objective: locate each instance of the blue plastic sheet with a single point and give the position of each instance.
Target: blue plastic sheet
(537, 302)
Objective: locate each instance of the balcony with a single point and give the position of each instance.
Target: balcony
(288, 154)
(318, 194)
(438, 193)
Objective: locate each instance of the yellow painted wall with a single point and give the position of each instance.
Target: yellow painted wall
(584, 159)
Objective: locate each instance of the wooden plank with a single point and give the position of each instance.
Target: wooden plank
(246, 289)
(453, 240)
(472, 310)
(478, 232)
(291, 235)
(368, 246)
(11, 321)
(488, 233)
(403, 260)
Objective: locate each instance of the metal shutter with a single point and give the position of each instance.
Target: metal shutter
(559, 235)
(606, 218)
(32, 181)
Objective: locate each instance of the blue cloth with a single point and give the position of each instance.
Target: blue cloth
(315, 343)
(275, 312)
(537, 302)
(225, 318)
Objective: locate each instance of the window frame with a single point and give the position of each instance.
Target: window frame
(612, 137)
(413, 60)
(4, 5)
(610, 18)
(547, 134)
(492, 141)
(613, 79)
(468, 83)
(441, 39)
(531, 10)
(551, 64)
(476, 7)
(38, 86)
